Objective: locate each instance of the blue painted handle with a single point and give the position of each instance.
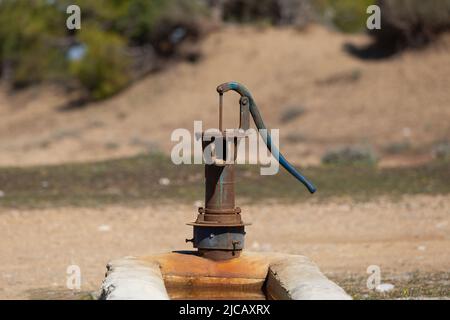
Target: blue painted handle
(239, 88)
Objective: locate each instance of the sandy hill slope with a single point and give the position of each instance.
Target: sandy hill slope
(345, 100)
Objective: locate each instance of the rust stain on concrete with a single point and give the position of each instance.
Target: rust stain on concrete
(188, 275)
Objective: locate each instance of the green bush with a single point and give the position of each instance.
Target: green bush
(28, 51)
(276, 12)
(398, 147)
(34, 40)
(144, 18)
(291, 113)
(441, 150)
(351, 155)
(180, 20)
(245, 11)
(104, 69)
(411, 23)
(140, 19)
(345, 15)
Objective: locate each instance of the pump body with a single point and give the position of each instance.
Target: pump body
(219, 230)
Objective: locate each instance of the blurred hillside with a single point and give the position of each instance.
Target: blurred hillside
(139, 69)
(116, 42)
(119, 41)
(304, 83)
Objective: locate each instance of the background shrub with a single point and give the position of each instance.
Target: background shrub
(291, 113)
(276, 12)
(251, 11)
(350, 155)
(104, 68)
(411, 23)
(28, 50)
(36, 46)
(179, 21)
(441, 150)
(345, 15)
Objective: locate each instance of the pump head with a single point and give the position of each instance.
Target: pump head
(219, 230)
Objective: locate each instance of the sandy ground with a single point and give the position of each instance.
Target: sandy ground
(341, 236)
(345, 100)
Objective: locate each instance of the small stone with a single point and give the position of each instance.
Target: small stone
(421, 248)
(103, 228)
(441, 225)
(384, 287)
(2, 194)
(44, 184)
(406, 132)
(255, 245)
(164, 181)
(345, 207)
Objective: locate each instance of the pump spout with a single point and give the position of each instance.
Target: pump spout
(243, 91)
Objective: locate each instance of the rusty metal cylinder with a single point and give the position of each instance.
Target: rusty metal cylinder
(220, 178)
(219, 191)
(219, 231)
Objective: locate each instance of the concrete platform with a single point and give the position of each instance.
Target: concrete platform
(184, 275)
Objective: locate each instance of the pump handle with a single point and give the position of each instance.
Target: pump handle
(243, 91)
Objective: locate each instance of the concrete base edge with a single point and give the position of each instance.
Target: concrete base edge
(285, 277)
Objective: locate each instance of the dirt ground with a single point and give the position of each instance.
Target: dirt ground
(343, 237)
(344, 100)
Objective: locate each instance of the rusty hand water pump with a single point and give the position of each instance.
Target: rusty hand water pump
(219, 230)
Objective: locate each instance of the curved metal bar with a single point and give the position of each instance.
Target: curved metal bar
(243, 91)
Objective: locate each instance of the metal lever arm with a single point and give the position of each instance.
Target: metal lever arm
(239, 88)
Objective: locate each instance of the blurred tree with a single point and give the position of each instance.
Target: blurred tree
(104, 69)
(28, 48)
(35, 44)
(140, 18)
(245, 11)
(345, 15)
(411, 23)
